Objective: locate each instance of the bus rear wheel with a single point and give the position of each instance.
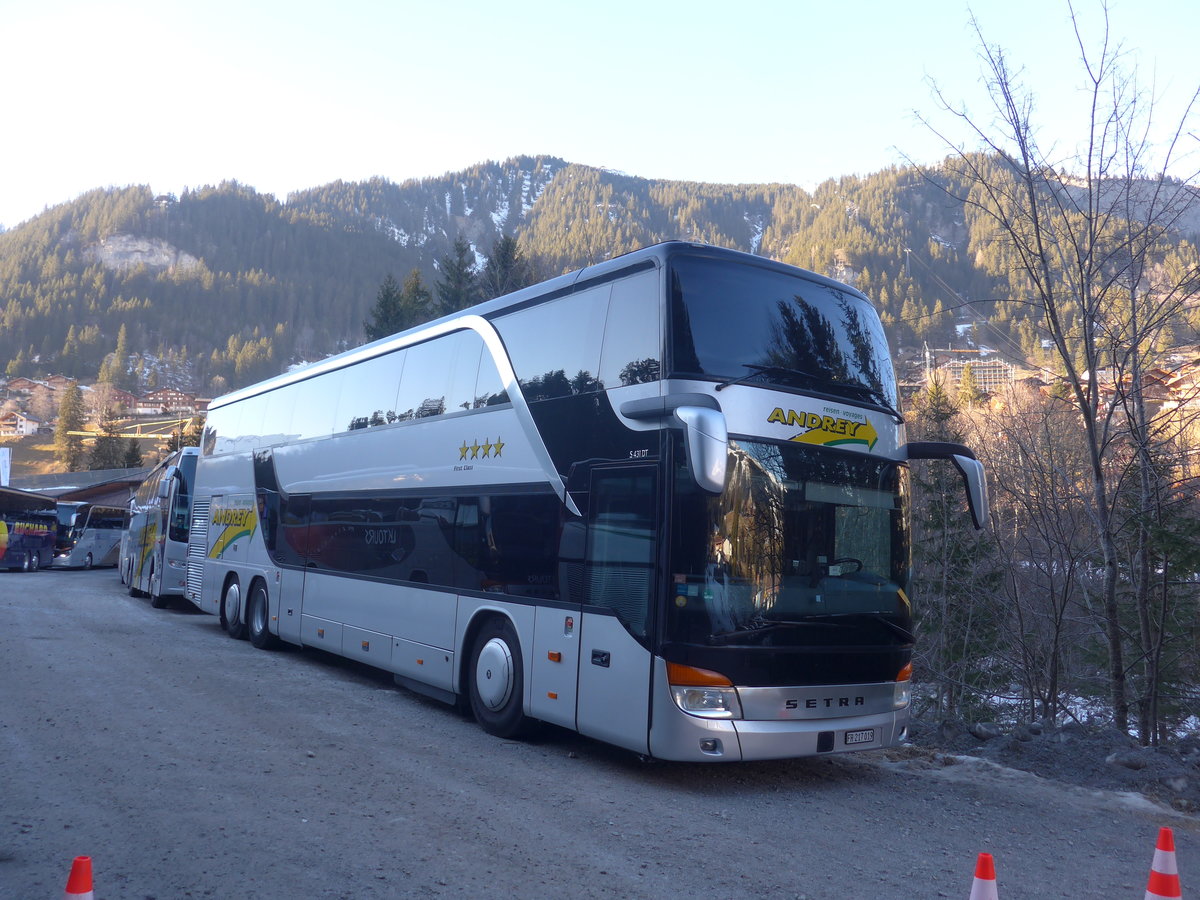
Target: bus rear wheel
(231, 610)
(258, 616)
(497, 682)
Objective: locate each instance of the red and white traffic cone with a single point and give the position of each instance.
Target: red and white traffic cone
(984, 885)
(79, 885)
(1164, 875)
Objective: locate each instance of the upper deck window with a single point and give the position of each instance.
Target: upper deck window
(737, 321)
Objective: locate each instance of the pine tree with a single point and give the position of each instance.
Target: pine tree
(969, 392)
(193, 433)
(459, 285)
(955, 573)
(391, 312)
(107, 452)
(120, 365)
(505, 270)
(17, 365)
(397, 309)
(68, 447)
(133, 455)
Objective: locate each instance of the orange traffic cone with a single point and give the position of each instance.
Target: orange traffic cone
(79, 885)
(1164, 875)
(984, 885)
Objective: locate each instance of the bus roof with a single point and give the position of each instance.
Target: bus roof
(654, 256)
(25, 501)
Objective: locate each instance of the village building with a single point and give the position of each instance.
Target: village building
(17, 424)
(990, 374)
(168, 400)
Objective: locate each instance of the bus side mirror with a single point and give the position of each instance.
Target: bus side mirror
(705, 435)
(164, 483)
(968, 466)
(706, 439)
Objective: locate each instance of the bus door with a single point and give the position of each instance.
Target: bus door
(286, 534)
(619, 577)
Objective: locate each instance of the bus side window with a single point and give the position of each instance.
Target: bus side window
(621, 546)
(632, 340)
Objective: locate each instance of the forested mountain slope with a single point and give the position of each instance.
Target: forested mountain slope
(228, 284)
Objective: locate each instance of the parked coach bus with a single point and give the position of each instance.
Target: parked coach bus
(662, 500)
(88, 535)
(28, 524)
(154, 546)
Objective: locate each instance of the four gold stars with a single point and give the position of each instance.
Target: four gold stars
(476, 450)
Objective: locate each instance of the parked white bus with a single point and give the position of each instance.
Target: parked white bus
(88, 535)
(662, 501)
(154, 546)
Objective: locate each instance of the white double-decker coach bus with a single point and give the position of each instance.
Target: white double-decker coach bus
(661, 501)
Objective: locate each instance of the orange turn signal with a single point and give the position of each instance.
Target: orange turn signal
(905, 674)
(691, 676)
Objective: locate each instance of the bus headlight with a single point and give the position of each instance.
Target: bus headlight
(711, 703)
(903, 691)
(700, 692)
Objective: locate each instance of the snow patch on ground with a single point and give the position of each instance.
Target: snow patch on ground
(757, 227)
(500, 214)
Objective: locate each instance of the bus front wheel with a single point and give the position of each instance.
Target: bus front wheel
(87, 561)
(231, 610)
(157, 600)
(258, 615)
(497, 681)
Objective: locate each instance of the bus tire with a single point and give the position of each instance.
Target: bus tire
(26, 563)
(35, 562)
(157, 600)
(258, 618)
(130, 584)
(231, 610)
(496, 680)
(87, 561)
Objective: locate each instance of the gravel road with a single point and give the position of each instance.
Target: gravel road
(190, 765)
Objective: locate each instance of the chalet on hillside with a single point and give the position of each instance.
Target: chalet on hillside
(168, 400)
(22, 385)
(17, 424)
(114, 398)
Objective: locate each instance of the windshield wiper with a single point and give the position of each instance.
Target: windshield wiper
(871, 394)
(764, 370)
(900, 631)
(879, 401)
(767, 625)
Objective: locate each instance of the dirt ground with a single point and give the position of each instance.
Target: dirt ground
(1099, 758)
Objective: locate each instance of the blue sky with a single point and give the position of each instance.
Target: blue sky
(287, 95)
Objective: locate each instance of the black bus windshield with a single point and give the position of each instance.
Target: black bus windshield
(181, 504)
(745, 322)
(805, 546)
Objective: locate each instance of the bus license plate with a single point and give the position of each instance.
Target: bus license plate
(860, 737)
